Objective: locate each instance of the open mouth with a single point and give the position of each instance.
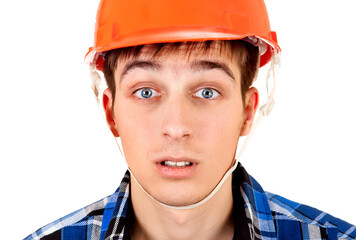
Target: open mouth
(176, 164)
(177, 168)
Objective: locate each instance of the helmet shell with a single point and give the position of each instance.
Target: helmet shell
(124, 23)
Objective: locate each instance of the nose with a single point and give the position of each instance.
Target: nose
(176, 116)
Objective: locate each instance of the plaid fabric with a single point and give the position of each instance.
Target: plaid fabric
(257, 215)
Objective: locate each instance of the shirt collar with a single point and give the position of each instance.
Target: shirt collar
(251, 206)
(252, 214)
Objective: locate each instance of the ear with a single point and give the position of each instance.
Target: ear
(108, 108)
(251, 105)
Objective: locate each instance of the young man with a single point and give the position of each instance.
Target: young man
(179, 96)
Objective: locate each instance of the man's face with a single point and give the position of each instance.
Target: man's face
(179, 118)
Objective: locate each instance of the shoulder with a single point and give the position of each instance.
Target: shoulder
(83, 222)
(293, 216)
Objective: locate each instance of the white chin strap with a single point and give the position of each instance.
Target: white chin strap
(264, 110)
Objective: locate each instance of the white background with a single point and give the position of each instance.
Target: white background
(57, 155)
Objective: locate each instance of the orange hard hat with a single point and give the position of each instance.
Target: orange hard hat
(124, 23)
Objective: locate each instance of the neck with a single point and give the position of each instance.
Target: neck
(212, 220)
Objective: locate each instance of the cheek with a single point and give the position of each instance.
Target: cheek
(136, 129)
(220, 128)
(218, 136)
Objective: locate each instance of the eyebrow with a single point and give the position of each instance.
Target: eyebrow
(146, 65)
(210, 65)
(196, 66)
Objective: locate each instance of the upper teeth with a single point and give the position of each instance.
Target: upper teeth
(176, 164)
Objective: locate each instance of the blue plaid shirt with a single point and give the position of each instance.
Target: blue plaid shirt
(257, 215)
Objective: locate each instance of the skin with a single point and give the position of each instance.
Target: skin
(177, 122)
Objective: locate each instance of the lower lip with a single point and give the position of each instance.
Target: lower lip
(176, 172)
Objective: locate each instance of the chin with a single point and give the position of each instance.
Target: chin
(177, 202)
(179, 198)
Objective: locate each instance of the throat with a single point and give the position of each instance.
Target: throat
(197, 231)
(210, 221)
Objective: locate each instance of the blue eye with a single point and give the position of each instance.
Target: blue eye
(207, 93)
(146, 93)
